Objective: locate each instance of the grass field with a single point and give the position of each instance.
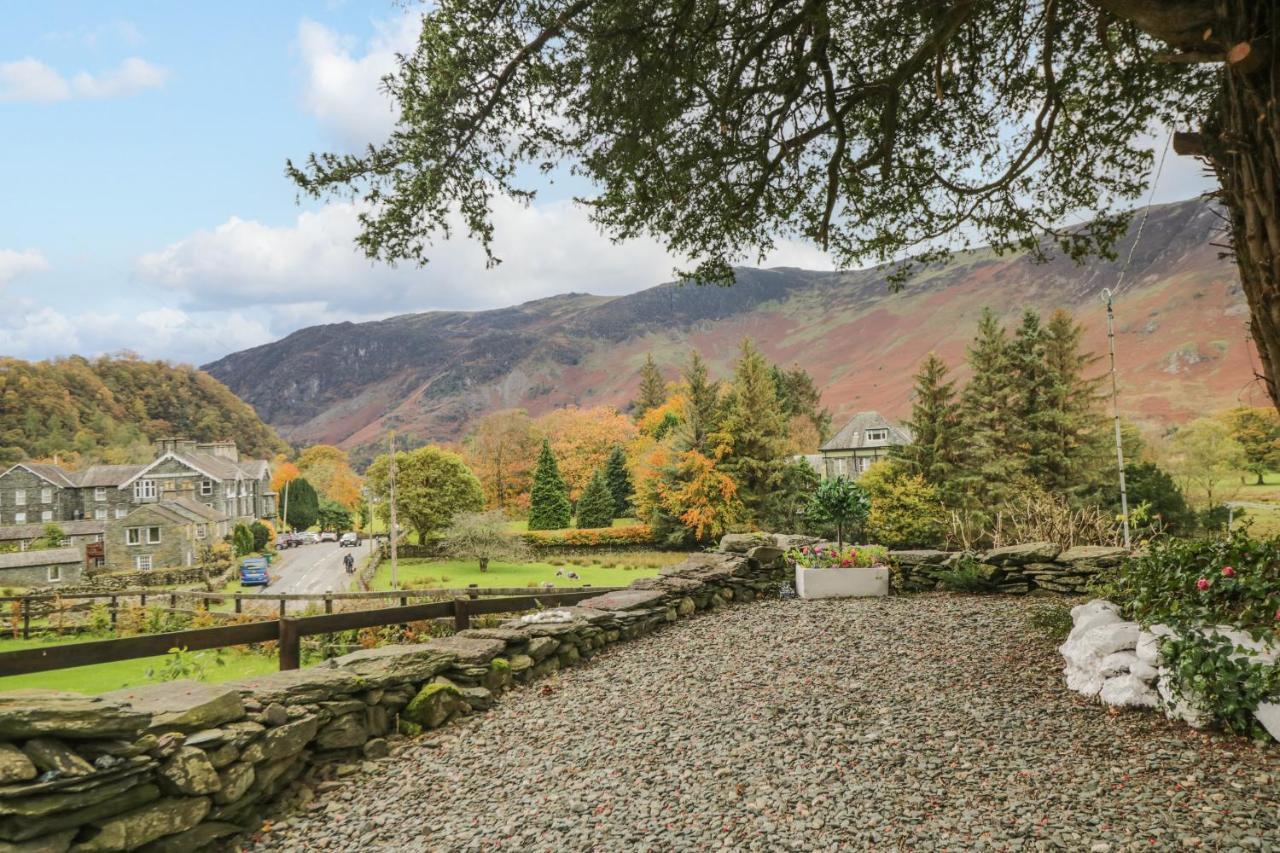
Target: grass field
(613, 569)
(100, 678)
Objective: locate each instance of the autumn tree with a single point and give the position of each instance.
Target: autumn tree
(1203, 455)
(328, 468)
(582, 440)
(432, 486)
(685, 498)
(502, 450)
(653, 390)
(595, 507)
(752, 435)
(1257, 431)
(549, 505)
(282, 474)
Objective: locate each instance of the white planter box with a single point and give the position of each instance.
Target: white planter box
(841, 582)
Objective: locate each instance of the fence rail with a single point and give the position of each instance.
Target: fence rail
(287, 630)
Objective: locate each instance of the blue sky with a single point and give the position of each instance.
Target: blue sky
(145, 205)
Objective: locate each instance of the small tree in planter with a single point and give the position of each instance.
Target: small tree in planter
(841, 502)
(481, 536)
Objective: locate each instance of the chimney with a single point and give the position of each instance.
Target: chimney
(226, 449)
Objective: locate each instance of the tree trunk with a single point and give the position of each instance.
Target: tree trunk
(484, 564)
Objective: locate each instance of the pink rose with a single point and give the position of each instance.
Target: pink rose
(1202, 584)
(1278, 615)
(1228, 572)
(804, 550)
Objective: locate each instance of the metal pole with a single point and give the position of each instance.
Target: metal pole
(1115, 411)
(391, 444)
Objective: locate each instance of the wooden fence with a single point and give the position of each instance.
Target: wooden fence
(287, 631)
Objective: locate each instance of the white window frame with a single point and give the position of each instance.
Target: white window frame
(144, 490)
(201, 531)
(100, 493)
(877, 435)
(231, 490)
(19, 497)
(53, 574)
(46, 515)
(100, 514)
(122, 511)
(46, 495)
(19, 518)
(133, 536)
(150, 530)
(206, 488)
(142, 562)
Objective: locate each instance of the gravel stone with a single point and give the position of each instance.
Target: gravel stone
(922, 722)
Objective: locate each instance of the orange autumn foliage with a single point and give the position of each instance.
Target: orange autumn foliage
(582, 439)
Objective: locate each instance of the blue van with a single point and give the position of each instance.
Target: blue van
(253, 572)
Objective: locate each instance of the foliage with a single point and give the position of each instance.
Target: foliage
(653, 390)
(283, 473)
(799, 398)
(1072, 455)
(635, 534)
(855, 556)
(582, 440)
(50, 537)
(183, 664)
(1149, 485)
(242, 540)
(333, 516)
(661, 420)
(1052, 620)
(934, 450)
(1038, 516)
(751, 440)
(1257, 431)
(841, 502)
(328, 470)
(701, 409)
(595, 507)
(791, 500)
(991, 462)
(618, 477)
(261, 536)
(301, 503)
(501, 450)
(481, 536)
(549, 507)
(905, 509)
(1212, 674)
(685, 498)
(1202, 454)
(966, 575)
(110, 409)
(432, 486)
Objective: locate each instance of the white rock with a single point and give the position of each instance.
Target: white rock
(1143, 670)
(1148, 648)
(1086, 682)
(1085, 617)
(1257, 651)
(1093, 645)
(1117, 663)
(1128, 691)
(1178, 709)
(1268, 714)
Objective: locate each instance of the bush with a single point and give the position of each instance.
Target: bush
(635, 534)
(242, 540)
(967, 576)
(261, 535)
(905, 509)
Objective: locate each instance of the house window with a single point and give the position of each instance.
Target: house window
(200, 531)
(20, 497)
(100, 494)
(877, 434)
(46, 515)
(19, 518)
(206, 488)
(54, 574)
(64, 542)
(153, 535)
(121, 511)
(243, 490)
(144, 490)
(142, 562)
(46, 495)
(136, 535)
(100, 513)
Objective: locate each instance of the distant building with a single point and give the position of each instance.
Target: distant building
(863, 441)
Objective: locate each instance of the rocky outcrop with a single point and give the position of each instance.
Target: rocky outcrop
(181, 766)
(1010, 569)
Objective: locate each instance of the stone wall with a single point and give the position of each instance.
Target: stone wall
(180, 766)
(1012, 569)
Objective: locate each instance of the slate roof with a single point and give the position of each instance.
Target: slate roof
(47, 471)
(853, 434)
(180, 510)
(96, 476)
(87, 527)
(45, 557)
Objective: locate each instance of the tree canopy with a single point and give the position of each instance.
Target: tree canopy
(432, 486)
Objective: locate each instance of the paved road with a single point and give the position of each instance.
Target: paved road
(312, 569)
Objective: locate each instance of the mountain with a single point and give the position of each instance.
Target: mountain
(1181, 329)
(110, 409)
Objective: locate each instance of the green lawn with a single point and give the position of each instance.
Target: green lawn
(613, 569)
(102, 677)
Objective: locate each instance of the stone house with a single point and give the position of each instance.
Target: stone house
(77, 533)
(860, 443)
(165, 534)
(46, 567)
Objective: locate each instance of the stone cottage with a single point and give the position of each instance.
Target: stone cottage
(168, 534)
(864, 440)
(46, 567)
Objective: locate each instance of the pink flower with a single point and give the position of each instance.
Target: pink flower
(804, 550)
(1278, 615)
(1228, 572)
(846, 563)
(1202, 584)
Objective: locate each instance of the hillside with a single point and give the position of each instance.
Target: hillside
(1181, 323)
(110, 409)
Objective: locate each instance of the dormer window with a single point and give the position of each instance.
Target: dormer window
(877, 434)
(206, 488)
(144, 490)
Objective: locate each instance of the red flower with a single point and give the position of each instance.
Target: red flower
(804, 550)
(1202, 584)
(846, 563)
(1228, 572)
(1278, 615)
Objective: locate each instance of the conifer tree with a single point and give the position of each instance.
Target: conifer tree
(549, 507)
(701, 407)
(990, 460)
(1076, 453)
(934, 424)
(653, 390)
(752, 438)
(618, 478)
(1029, 428)
(595, 507)
(798, 396)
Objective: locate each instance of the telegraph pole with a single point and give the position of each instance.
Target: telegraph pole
(1115, 411)
(391, 444)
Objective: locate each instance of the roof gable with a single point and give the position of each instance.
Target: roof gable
(853, 434)
(180, 458)
(51, 474)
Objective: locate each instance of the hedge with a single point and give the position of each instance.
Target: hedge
(635, 534)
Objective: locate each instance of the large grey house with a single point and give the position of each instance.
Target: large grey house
(864, 440)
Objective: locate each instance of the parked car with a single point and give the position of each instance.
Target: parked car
(328, 536)
(287, 540)
(308, 538)
(349, 540)
(253, 572)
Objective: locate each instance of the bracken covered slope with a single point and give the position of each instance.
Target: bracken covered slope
(1181, 320)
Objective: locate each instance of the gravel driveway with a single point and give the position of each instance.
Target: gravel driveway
(903, 723)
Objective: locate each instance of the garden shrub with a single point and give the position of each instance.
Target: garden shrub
(967, 575)
(906, 511)
(634, 534)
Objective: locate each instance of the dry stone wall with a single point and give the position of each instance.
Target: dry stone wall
(185, 766)
(1012, 569)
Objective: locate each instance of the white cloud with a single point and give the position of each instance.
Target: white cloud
(344, 87)
(14, 264)
(32, 80)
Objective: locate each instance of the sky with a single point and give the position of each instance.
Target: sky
(145, 206)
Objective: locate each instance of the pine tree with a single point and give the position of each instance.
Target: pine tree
(653, 390)
(752, 438)
(934, 424)
(701, 407)
(1077, 455)
(798, 396)
(549, 507)
(990, 460)
(618, 478)
(1030, 430)
(595, 507)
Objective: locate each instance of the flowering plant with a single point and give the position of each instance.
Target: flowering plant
(828, 556)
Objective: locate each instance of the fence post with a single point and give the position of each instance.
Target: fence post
(282, 607)
(173, 601)
(461, 616)
(114, 607)
(26, 618)
(328, 601)
(404, 601)
(204, 604)
(239, 602)
(473, 591)
(142, 600)
(290, 644)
